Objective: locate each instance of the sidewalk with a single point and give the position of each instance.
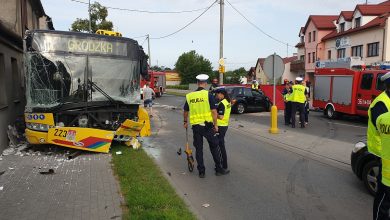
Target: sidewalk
(323, 148)
(177, 91)
(79, 188)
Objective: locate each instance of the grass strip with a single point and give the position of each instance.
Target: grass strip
(147, 193)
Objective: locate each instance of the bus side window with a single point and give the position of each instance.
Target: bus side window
(366, 82)
(380, 86)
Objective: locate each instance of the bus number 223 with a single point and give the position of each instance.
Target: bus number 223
(60, 133)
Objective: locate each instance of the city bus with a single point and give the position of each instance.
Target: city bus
(82, 90)
(108, 33)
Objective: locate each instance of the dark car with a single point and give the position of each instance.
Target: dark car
(365, 166)
(248, 100)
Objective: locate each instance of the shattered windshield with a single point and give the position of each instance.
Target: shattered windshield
(55, 78)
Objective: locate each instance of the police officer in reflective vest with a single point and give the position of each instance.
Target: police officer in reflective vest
(378, 144)
(201, 108)
(298, 98)
(224, 110)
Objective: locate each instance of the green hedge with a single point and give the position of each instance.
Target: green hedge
(182, 87)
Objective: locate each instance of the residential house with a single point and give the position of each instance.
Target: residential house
(16, 16)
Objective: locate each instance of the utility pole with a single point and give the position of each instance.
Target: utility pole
(89, 12)
(150, 57)
(221, 38)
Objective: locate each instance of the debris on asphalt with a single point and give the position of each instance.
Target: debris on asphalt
(1, 188)
(183, 173)
(241, 126)
(206, 205)
(11, 168)
(74, 155)
(2, 172)
(9, 151)
(179, 151)
(118, 153)
(46, 172)
(169, 173)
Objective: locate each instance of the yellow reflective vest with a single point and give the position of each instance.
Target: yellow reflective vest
(383, 127)
(198, 103)
(373, 140)
(287, 97)
(298, 93)
(226, 115)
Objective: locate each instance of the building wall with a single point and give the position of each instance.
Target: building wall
(360, 38)
(264, 80)
(314, 46)
(12, 90)
(12, 100)
(10, 15)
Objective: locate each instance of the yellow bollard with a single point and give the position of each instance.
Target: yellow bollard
(274, 120)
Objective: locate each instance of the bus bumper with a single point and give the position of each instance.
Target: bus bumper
(36, 137)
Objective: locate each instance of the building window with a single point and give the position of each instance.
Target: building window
(357, 51)
(314, 57)
(309, 36)
(342, 27)
(302, 58)
(314, 36)
(15, 79)
(357, 22)
(3, 97)
(308, 57)
(302, 39)
(373, 49)
(341, 53)
(329, 54)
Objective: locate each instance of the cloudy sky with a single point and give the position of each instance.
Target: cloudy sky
(243, 43)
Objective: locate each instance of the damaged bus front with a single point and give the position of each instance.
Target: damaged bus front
(82, 90)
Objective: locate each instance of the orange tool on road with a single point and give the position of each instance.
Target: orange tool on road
(188, 151)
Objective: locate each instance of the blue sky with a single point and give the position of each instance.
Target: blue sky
(243, 44)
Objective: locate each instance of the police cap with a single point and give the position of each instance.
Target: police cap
(299, 79)
(202, 77)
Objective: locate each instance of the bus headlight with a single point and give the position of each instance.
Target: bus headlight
(37, 126)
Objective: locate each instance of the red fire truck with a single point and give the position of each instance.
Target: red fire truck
(156, 82)
(346, 90)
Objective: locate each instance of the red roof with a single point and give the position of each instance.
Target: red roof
(322, 22)
(347, 15)
(373, 9)
(379, 21)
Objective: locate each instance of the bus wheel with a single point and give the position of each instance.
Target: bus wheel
(330, 112)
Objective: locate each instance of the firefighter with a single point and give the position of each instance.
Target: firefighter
(202, 110)
(224, 109)
(298, 98)
(378, 144)
(287, 103)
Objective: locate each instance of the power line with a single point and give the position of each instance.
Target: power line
(145, 11)
(168, 35)
(255, 26)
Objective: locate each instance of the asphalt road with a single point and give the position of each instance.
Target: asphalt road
(266, 180)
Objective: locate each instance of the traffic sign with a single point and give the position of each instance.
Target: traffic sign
(221, 69)
(221, 62)
(273, 66)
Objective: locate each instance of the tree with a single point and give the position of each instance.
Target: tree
(99, 14)
(234, 77)
(190, 64)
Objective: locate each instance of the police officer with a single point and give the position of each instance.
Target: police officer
(214, 85)
(298, 98)
(378, 108)
(224, 110)
(255, 85)
(201, 108)
(287, 103)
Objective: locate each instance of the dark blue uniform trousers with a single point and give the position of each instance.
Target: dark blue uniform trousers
(202, 131)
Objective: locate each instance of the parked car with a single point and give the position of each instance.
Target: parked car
(248, 100)
(365, 166)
